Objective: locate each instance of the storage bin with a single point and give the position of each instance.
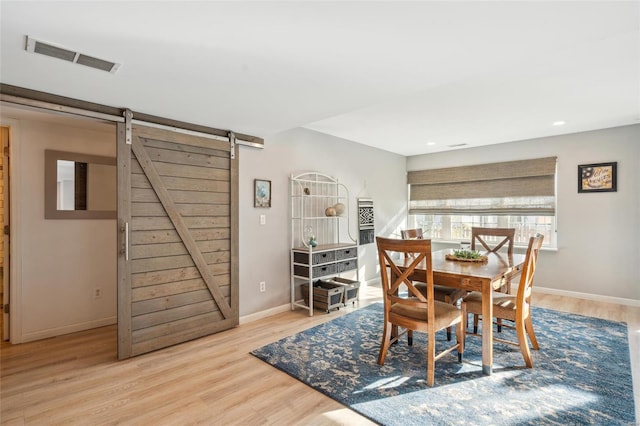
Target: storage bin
(318, 271)
(326, 295)
(316, 258)
(347, 265)
(350, 253)
(351, 289)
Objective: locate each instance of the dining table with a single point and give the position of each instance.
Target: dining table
(485, 277)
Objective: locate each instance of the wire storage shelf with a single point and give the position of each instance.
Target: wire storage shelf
(321, 241)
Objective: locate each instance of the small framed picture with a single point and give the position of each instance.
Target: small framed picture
(600, 177)
(262, 193)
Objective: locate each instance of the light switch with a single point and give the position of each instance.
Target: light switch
(263, 219)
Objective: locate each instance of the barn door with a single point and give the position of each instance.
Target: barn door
(178, 233)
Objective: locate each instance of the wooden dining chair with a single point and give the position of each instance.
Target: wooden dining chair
(441, 293)
(412, 234)
(516, 309)
(413, 310)
(493, 240)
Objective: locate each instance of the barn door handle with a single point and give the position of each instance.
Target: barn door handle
(126, 241)
(125, 250)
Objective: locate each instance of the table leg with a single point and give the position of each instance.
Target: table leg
(487, 329)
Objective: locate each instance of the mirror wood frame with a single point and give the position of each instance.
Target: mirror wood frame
(51, 158)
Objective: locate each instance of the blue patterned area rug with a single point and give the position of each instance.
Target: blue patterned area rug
(581, 373)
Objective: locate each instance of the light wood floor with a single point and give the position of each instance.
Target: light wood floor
(76, 379)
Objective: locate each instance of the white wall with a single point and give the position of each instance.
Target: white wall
(598, 233)
(61, 262)
(264, 249)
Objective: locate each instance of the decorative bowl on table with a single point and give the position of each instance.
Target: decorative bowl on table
(466, 256)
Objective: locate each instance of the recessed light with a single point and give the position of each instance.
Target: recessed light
(431, 143)
(559, 123)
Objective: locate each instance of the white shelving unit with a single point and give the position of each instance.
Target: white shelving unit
(336, 252)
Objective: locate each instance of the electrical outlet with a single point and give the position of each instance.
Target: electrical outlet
(263, 286)
(97, 293)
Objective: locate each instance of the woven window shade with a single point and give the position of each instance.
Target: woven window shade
(513, 187)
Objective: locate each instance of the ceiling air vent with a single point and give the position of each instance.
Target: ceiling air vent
(37, 46)
(458, 145)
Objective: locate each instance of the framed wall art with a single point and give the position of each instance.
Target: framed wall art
(262, 193)
(600, 177)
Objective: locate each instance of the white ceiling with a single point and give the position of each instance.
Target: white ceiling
(393, 75)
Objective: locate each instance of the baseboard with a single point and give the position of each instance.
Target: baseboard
(264, 314)
(59, 331)
(587, 296)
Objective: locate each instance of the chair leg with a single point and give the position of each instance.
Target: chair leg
(410, 337)
(384, 346)
(524, 344)
(461, 333)
(448, 300)
(431, 359)
(506, 288)
(529, 326)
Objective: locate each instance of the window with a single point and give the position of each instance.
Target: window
(447, 202)
(458, 228)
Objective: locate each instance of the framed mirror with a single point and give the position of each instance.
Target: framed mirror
(79, 186)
